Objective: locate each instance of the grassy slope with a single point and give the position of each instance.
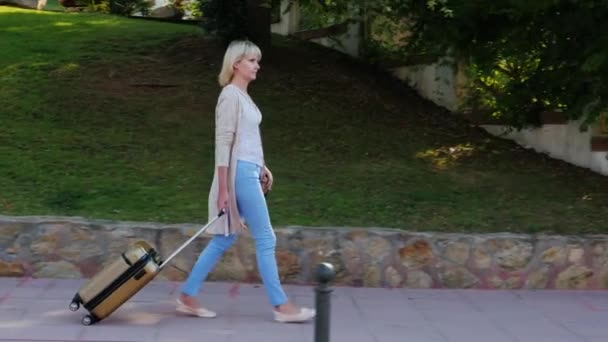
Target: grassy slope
(81, 134)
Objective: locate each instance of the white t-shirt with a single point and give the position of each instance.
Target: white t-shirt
(250, 140)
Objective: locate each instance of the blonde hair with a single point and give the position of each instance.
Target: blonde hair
(234, 53)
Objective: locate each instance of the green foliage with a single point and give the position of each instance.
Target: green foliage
(73, 3)
(128, 7)
(229, 19)
(319, 13)
(524, 57)
(226, 19)
(119, 7)
(193, 6)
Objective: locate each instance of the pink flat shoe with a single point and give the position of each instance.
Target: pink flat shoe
(304, 315)
(200, 312)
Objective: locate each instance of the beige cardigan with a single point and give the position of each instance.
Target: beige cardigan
(227, 114)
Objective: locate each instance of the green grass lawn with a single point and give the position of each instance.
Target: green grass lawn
(112, 118)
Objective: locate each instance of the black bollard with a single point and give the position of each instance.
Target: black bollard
(325, 274)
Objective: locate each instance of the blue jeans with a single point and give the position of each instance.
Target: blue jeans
(252, 207)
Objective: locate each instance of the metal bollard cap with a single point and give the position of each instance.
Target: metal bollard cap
(325, 272)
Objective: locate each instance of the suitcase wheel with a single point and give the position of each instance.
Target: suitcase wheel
(87, 320)
(74, 306)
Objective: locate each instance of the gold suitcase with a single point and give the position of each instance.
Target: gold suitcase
(109, 289)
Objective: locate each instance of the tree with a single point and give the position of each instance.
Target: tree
(238, 19)
(524, 57)
(258, 22)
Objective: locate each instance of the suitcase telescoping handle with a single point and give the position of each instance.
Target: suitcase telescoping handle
(185, 244)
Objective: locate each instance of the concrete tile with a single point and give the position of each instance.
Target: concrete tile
(247, 306)
(589, 329)
(194, 332)
(358, 314)
(418, 336)
(29, 292)
(245, 326)
(550, 338)
(125, 317)
(473, 336)
(56, 333)
(12, 313)
(351, 337)
(533, 332)
(430, 293)
(52, 317)
(464, 318)
(70, 283)
(109, 333)
(156, 292)
(384, 318)
(376, 293)
(458, 331)
(265, 336)
(8, 282)
(185, 323)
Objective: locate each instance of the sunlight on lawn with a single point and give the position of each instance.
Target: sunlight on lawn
(65, 69)
(106, 22)
(445, 157)
(63, 23)
(8, 9)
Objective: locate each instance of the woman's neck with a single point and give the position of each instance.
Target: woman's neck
(240, 83)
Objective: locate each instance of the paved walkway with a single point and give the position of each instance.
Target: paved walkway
(37, 310)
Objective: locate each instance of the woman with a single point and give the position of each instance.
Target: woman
(239, 178)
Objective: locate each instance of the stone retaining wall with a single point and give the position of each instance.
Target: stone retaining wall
(74, 247)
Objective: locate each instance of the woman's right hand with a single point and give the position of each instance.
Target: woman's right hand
(222, 200)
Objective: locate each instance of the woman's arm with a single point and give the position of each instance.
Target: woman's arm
(222, 199)
(226, 114)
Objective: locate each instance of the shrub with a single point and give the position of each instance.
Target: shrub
(524, 57)
(128, 7)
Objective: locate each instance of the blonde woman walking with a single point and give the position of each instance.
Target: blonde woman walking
(240, 180)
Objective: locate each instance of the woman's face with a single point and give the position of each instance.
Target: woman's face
(247, 68)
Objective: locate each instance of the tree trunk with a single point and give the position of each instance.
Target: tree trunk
(258, 22)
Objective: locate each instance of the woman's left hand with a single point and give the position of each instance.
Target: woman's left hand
(266, 179)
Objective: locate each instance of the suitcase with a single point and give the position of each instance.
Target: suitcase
(109, 289)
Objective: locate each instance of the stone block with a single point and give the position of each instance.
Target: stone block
(538, 279)
(457, 277)
(378, 249)
(58, 269)
(372, 277)
(417, 254)
(510, 253)
(229, 268)
(574, 277)
(67, 248)
(12, 269)
(289, 265)
(556, 255)
(576, 254)
(480, 259)
(599, 254)
(418, 280)
(392, 277)
(457, 252)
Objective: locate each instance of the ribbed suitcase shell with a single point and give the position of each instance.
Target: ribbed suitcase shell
(109, 289)
(116, 283)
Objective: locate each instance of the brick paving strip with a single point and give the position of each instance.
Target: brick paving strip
(37, 310)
